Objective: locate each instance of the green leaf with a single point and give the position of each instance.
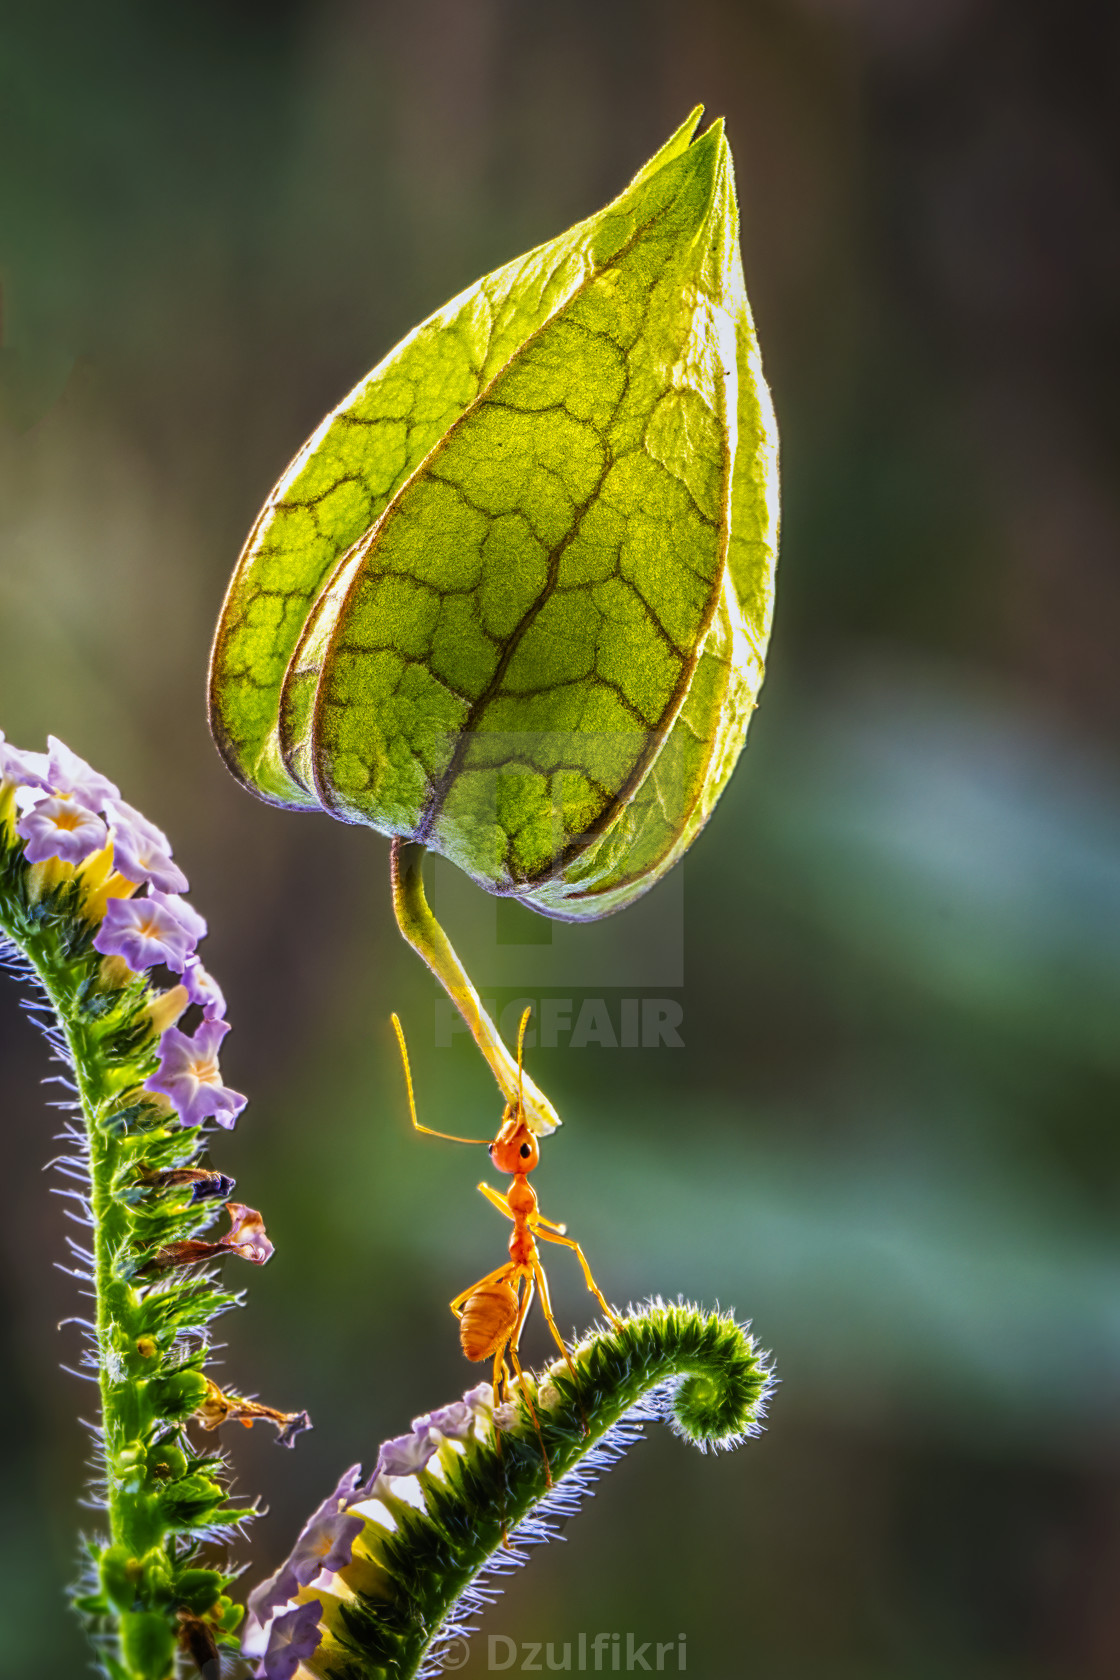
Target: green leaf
(512, 598)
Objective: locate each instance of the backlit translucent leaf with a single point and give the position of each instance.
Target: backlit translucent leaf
(512, 597)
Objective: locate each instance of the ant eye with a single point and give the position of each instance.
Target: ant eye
(525, 1150)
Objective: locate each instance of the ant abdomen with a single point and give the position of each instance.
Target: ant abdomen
(487, 1319)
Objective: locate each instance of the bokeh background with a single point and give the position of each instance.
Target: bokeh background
(891, 1135)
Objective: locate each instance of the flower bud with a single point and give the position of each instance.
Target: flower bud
(512, 598)
(179, 1394)
(120, 1576)
(198, 1589)
(166, 1007)
(113, 973)
(189, 1502)
(44, 876)
(147, 1643)
(167, 1462)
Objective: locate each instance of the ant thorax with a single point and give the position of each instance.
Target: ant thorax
(522, 1198)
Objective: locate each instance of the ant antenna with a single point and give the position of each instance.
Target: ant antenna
(399, 1030)
(520, 1046)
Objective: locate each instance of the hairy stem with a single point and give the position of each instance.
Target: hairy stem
(131, 1511)
(435, 1543)
(147, 1339)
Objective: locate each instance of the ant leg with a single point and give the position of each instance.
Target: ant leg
(522, 1311)
(506, 1271)
(546, 1308)
(528, 1399)
(501, 1376)
(499, 1386)
(498, 1200)
(566, 1242)
(514, 1344)
(549, 1224)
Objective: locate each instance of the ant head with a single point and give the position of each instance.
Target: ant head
(515, 1149)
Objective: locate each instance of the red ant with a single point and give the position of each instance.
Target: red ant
(492, 1311)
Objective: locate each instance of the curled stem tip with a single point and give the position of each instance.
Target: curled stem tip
(456, 1505)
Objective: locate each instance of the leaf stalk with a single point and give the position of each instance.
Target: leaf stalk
(419, 927)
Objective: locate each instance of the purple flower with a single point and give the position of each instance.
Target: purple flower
(61, 828)
(326, 1542)
(26, 769)
(329, 1546)
(184, 913)
(188, 1073)
(457, 1419)
(406, 1454)
(298, 1423)
(127, 816)
(246, 1236)
(292, 1638)
(143, 931)
(204, 990)
(141, 851)
(454, 1420)
(72, 777)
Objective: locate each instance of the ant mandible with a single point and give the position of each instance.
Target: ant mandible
(492, 1312)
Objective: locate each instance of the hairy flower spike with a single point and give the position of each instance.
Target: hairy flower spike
(133, 1164)
(449, 1509)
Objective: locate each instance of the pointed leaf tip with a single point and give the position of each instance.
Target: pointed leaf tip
(678, 142)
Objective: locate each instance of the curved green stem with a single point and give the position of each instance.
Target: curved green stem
(424, 934)
(413, 1582)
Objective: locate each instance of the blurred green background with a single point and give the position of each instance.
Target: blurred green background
(890, 1137)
